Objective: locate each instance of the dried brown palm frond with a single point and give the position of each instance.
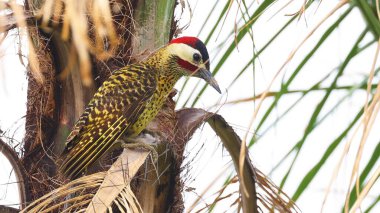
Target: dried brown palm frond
(269, 196)
(98, 192)
(112, 187)
(87, 25)
(12, 156)
(115, 187)
(58, 198)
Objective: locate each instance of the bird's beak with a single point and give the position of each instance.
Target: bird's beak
(206, 75)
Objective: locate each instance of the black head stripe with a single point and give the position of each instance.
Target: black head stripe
(203, 50)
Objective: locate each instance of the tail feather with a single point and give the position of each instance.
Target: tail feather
(86, 153)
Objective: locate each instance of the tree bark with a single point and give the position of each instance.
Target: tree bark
(41, 122)
(54, 106)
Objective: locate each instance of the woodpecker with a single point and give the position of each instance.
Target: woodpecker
(130, 98)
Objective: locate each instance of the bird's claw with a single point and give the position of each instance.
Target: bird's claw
(144, 146)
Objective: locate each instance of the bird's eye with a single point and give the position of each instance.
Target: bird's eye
(196, 57)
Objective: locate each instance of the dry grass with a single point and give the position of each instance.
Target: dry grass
(98, 192)
(84, 24)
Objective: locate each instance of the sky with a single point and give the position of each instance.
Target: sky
(207, 161)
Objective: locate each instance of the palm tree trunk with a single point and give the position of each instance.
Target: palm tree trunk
(54, 105)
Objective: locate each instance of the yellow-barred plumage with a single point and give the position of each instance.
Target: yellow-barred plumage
(130, 99)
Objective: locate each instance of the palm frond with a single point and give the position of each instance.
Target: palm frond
(270, 196)
(98, 192)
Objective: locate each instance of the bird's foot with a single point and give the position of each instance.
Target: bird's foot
(132, 144)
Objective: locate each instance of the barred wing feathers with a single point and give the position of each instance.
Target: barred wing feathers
(115, 107)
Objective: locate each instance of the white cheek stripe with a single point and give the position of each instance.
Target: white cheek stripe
(183, 51)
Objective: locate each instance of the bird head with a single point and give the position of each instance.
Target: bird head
(192, 58)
